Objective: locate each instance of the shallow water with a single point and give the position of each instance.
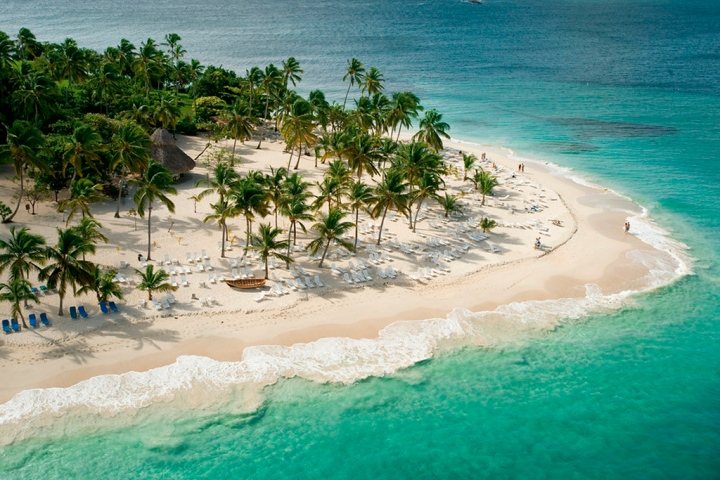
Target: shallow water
(626, 94)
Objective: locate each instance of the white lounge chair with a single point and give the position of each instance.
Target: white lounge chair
(318, 282)
(366, 274)
(300, 284)
(200, 267)
(167, 259)
(235, 274)
(302, 270)
(335, 270)
(188, 257)
(156, 304)
(197, 258)
(232, 263)
(183, 280)
(211, 277)
(381, 273)
(309, 282)
(173, 281)
(260, 297)
(346, 276)
(204, 254)
(211, 300)
(291, 285)
(207, 265)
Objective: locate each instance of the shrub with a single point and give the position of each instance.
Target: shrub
(207, 107)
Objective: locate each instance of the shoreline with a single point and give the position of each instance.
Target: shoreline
(517, 282)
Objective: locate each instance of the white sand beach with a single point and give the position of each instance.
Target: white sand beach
(476, 273)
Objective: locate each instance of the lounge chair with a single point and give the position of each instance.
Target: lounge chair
(33, 320)
(73, 313)
(211, 277)
(156, 304)
(260, 297)
(188, 257)
(309, 282)
(207, 265)
(43, 319)
(167, 259)
(232, 263)
(203, 302)
(219, 277)
(302, 270)
(113, 307)
(291, 285)
(381, 273)
(300, 284)
(366, 275)
(170, 298)
(335, 270)
(204, 254)
(294, 273)
(318, 282)
(15, 325)
(141, 303)
(82, 311)
(173, 281)
(346, 276)
(35, 290)
(6, 326)
(235, 273)
(183, 280)
(197, 258)
(103, 307)
(43, 288)
(211, 300)
(165, 303)
(200, 267)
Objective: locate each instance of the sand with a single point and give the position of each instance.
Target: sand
(589, 248)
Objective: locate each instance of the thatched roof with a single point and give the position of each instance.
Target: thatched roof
(166, 153)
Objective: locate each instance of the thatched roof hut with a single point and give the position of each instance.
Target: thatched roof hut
(166, 152)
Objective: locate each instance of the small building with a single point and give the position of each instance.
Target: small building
(166, 152)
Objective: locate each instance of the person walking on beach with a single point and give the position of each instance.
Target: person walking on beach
(537, 243)
(519, 167)
(627, 227)
(523, 168)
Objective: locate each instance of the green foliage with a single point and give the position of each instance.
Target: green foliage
(186, 126)
(5, 211)
(208, 107)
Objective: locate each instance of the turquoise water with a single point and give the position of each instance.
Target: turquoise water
(625, 93)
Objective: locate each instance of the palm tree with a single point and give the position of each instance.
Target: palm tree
(23, 143)
(249, 199)
(7, 47)
(69, 63)
(291, 72)
(269, 80)
(83, 193)
(359, 197)
(240, 124)
(329, 191)
(154, 185)
(267, 245)
(172, 40)
(103, 285)
(22, 254)
(195, 71)
(484, 183)
(330, 228)
(88, 230)
(468, 164)
(363, 154)
(450, 204)
(221, 211)
(140, 114)
(274, 183)
(224, 178)
(82, 149)
(297, 211)
(389, 194)
(105, 81)
(145, 63)
(404, 107)
(34, 92)
(26, 43)
(152, 281)
(297, 128)
(486, 224)
(355, 71)
(167, 114)
(15, 292)
(65, 266)
(251, 80)
(427, 187)
(131, 152)
(431, 129)
(414, 160)
(372, 81)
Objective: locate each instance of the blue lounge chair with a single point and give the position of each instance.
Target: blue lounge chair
(103, 307)
(15, 324)
(113, 307)
(82, 311)
(73, 312)
(6, 326)
(33, 320)
(43, 288)
(35, 290)
(44, 319)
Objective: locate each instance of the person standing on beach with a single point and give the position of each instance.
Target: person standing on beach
(523, 168)
(519, 167)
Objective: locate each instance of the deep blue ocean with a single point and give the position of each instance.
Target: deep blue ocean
(626, 93)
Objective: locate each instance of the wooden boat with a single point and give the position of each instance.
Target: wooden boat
(246, 282)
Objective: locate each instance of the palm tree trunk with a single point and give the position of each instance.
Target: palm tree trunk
(287, 264)
(327, 245)
(398, 135)
(232, 159)
(149, 227)
(357, 217)
(299, 155)
(60, 310)
(292, 151)
(267, 104)
(266, 267)
(417, 212)
(117, 209)
(222, 248)
(382, 223)
(410, 216)
(17, 207)
(346, 94)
